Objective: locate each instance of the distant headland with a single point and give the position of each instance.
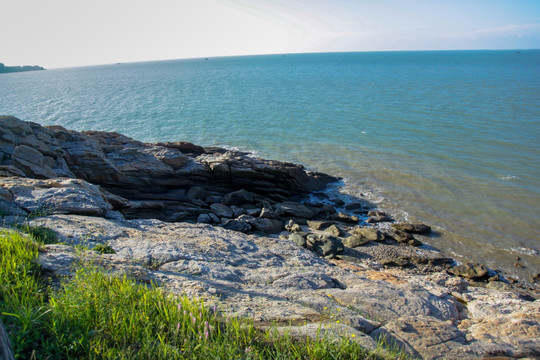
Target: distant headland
(10, 69)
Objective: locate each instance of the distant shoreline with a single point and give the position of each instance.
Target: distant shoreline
(11, 69)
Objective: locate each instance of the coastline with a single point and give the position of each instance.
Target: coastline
(210, 221)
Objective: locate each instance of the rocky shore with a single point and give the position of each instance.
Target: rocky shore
(241, 232)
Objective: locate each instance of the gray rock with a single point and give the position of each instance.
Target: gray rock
(237, 211)
(470, 271)
(237, 225)
(355, 241)
(318, 225)
(59, 196)
(204, 218)
(334, 230)
(268, 212)
(221, 210)
(377, 219)
(405, 238)
(269, 226)
(423, 336)
(238, 198)
(413, 228)
(291, 226)
(197, 192)
(298, 240)
(369, 233)
(345, 218)
(295, 210)
(325, 245)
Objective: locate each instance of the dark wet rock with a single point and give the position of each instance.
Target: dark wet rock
(338, 202)
(237, 225)
(184, 147)
(255, 212)
(470, 271)
(405, 238)
(238, 198)
(318, 225)
(355, 240)
(269, 212)
(376, 216)
(295, 210)
(221, 210)
(354, 206)
(420, 229)
(269, 226)
(204, 218)
(377, 219)
(197, 192)
(237, 211)
(345, 218)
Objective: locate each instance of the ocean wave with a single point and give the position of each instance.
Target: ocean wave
(508, 177)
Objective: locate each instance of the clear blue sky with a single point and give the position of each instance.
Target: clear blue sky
(61, 33)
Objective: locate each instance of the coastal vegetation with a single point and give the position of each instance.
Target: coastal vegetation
(93, 315)
(11, 69)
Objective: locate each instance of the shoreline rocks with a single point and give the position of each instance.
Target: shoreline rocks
(213, 222)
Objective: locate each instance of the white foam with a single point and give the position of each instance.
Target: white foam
(508, 177)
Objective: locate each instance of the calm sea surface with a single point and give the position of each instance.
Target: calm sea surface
(448, 138)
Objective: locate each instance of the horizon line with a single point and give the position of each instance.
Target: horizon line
(277, 54)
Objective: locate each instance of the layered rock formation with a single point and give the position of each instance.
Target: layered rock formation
(200, 221)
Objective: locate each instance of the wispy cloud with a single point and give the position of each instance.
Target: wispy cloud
(513, 30)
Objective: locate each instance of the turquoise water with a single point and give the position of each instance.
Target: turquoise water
(450, 138)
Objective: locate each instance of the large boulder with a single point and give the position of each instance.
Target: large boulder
(58, 196)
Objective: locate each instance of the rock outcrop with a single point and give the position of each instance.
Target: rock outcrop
(235, 230)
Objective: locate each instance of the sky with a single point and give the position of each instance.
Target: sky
(65, 33)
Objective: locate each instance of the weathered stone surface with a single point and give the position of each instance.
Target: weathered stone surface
(58, 196)
(334, 230)
(346, 218)
(291, 226)
(325, 245)
(318, 225)
(138, 171)
(421, 229)
(295, 210)
(221, 210)
(369, 233)
(239, 197)
(423, 336)
(237, 225)
(404, 237)
(469, 271)
(355, 241)
(269, 226)
(275, 280)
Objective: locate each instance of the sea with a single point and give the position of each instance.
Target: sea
(447, 138)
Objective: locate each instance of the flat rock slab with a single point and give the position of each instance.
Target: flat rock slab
(275, 281)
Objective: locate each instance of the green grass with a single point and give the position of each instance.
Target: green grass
(97, 316)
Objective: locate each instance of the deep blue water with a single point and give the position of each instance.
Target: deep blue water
(447, 137)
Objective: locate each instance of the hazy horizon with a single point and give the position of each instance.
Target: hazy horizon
(63, 33)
